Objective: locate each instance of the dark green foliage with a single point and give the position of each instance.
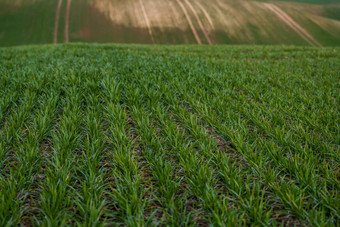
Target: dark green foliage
(95, 135)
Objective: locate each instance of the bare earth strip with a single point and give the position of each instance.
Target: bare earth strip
(67, 20)
(291, 23)
(193, 29)
(147, 20)
(206, 14)
(199, 21)
(56, 25)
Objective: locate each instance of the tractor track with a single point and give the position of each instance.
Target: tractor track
(67, 21)
(147, 21)
(192, 27)
(292, 24)
(200, 24)
(56, 25)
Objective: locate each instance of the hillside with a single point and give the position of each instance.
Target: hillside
(125, 135)
(299, 22)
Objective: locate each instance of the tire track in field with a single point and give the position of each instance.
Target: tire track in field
(199, 21)
(56, 25)
(146, 18)
(175, 14)
(67, 21)
(193, 29)
(292, 24)
(206, 14)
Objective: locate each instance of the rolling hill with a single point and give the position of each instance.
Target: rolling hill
(299, 22)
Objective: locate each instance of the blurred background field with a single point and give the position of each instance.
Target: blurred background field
(299, 22)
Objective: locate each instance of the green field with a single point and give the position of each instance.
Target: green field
(169, 135)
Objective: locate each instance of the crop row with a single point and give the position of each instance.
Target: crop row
(136, 135)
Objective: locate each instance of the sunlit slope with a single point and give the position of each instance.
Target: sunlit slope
(170, 22)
